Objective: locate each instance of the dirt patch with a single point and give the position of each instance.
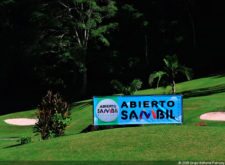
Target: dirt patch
(21, 121)
(213, 116)
(201, 123)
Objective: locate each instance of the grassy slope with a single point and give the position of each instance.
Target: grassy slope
(158, 142)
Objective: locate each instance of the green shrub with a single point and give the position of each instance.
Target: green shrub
(53, 116)
(127, 90)
(24, 140)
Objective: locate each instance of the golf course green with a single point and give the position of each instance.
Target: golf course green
(189, 141)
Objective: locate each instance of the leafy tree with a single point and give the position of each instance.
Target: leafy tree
(140, 22)
(69, 25)
(6, 2)
(188, 6)
(171, 69)
(129, 89)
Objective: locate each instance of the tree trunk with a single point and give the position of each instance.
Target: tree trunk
(83, 71)
(146, 50)
(173, 87)
(84, 84)
(191, 22)
(158, 83)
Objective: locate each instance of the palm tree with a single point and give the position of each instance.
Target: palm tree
(171, 69)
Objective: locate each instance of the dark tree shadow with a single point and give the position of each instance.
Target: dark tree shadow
(11, 146)
(92, 127)
(204, 91)
(83, 103)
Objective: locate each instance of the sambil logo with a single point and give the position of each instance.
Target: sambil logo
(107, 110)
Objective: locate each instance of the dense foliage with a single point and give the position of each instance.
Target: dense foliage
(53, 116)
(65, 29)
(77, 47)
(127, 89)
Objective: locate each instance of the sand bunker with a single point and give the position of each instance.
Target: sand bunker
(21, 121)
(215, 116)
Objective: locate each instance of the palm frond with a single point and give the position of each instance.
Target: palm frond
(186, 71)
(171, 62)
(135, 84)
(118, 86)
(166, 61)
(156, 75)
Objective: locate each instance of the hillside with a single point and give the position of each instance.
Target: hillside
(149, 142)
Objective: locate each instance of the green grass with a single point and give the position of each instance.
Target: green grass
(191, 86)
(140, 143)
(149, 142)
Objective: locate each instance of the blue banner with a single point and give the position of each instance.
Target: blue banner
(126, 110)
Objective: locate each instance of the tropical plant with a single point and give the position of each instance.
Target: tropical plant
(53, 116)
(171, 69)
(129, 89)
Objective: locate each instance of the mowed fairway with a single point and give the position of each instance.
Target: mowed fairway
(149, 142)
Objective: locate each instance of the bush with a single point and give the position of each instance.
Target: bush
(127, 90)
(53, 116)
(24, 140)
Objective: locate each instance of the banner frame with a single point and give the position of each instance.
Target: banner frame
(151, 95)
